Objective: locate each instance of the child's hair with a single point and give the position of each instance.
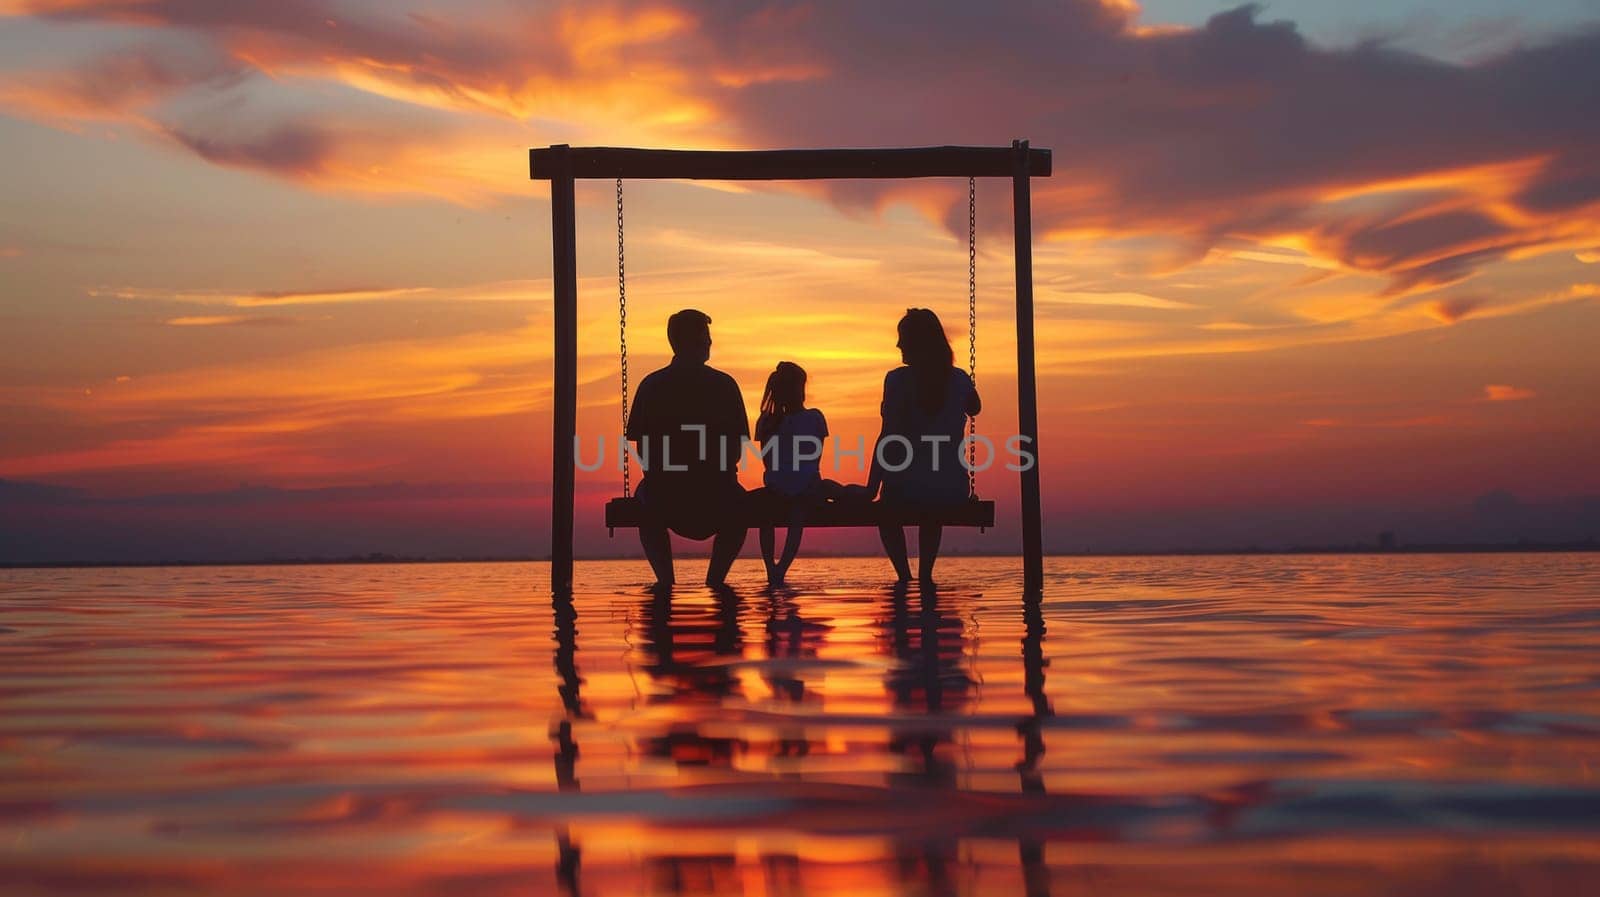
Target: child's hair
(785, 394)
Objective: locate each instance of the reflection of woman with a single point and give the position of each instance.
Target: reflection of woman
(929, 682)
(926, 404)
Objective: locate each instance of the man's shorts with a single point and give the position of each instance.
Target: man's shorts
(694, 511)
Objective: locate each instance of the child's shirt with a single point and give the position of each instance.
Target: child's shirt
(790, 468)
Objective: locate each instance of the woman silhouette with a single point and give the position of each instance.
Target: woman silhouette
(926, 404)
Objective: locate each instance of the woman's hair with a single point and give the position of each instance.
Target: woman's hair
(928, 354)
(785, 394)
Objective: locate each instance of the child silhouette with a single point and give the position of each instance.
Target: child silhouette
(793, 478)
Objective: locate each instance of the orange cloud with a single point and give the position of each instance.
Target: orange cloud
(1183, 143)
(206, 320)
(228, 321)
(587, 67)
(1499, 392)
(503, 291)
(1124, 299)
(279, 414)
(1449, 311)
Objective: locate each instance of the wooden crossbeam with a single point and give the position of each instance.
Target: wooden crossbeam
(783, 165)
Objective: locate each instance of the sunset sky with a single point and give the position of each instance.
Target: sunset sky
(275, 281)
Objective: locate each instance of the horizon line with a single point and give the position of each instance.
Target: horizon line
(1577, 547)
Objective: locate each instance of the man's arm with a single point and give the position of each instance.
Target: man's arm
(641, 411)
(738, 418)
(730, 425)
(744, 416)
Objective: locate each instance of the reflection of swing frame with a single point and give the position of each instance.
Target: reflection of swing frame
(562, 165)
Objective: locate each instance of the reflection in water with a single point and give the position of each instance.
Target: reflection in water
(689, 650)
(792, 643)
(1036, 875)
(1211, 726)
(568, 687)
(929, 682)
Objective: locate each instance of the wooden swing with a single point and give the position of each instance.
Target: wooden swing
(562, 165)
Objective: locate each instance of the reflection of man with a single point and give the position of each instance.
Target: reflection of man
(688, 421)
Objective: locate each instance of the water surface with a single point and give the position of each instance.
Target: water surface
(1304, 725)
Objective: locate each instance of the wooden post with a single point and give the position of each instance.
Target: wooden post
(564, 418)
(1027, 387)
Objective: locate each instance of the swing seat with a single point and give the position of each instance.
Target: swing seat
(628, 513)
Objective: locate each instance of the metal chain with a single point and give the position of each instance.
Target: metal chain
(622, 336)
(972, 330)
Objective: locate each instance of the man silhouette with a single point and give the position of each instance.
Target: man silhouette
(688, 421)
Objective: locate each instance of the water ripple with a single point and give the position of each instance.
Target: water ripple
(1162, 725)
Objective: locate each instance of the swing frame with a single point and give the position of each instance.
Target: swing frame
(562, 165)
